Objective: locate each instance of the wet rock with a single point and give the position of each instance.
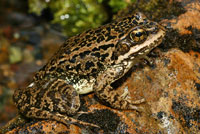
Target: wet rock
(21, 20)
(4, 52)
(30, 36)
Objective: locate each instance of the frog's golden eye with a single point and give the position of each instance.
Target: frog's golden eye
(138, 35)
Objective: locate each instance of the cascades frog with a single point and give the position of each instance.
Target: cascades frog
(89, 62)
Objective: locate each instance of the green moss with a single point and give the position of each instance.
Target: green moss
(75, 16)
(36, 6)
(117, 4)
(78, 15)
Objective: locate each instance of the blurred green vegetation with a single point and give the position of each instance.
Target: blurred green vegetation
(78, 15)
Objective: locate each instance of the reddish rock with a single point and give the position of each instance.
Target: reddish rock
(188, 19)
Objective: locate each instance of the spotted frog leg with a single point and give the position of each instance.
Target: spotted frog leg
(57, 100)
(105, 91)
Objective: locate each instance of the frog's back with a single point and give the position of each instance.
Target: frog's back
(91, 51)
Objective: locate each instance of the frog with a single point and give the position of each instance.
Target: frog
(89, 62)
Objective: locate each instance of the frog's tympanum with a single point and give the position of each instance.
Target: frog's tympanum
(90, 61)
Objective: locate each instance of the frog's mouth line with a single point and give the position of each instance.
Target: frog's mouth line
(142, 49)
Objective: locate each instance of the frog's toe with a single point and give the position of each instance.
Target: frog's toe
(85, 124)
(137, 108)
(135, 102)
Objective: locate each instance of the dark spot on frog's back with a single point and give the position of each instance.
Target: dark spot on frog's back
(100, 38)
(114, 56)
(89, 44)
(76, 40)
(108, 29)
(67, 51)
(98, 31)
(73, 59)
(109, 37)
(103, 56)
(120, 23)
(141, 23)
(52, 68)
(59, 70)
(96, 54)
(83, 54)
(78, 67)
(99, 65)
(67, 67)
(51, 94)
(76, 49)
(88, 65)
(105, 47)
(53, 61)
(87, 36)
(95, 49)
(135, 22)
(61, 62)
(94, 70)
(94, 38)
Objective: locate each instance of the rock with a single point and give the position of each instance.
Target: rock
(4, 52)
(172, 100)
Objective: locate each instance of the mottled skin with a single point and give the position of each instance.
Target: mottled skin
(88, 62)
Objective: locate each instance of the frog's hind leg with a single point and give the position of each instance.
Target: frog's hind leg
(44, 114)
(60, 100)
(49, 99)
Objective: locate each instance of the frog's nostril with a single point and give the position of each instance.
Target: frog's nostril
(139, 16)
(162, 27)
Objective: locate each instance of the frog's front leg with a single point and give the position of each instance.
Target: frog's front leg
(105, 91)
(49, 99)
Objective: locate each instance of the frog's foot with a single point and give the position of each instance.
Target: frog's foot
(126, 97)
(79, 113)
(136, 102)
(44, 114)
(82, 112)
(127, 103)
(132, 105)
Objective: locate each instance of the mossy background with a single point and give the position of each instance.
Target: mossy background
(78, 15)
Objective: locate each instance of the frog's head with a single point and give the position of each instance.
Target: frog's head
(139, 40)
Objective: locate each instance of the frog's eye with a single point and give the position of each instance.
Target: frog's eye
(138, 35)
